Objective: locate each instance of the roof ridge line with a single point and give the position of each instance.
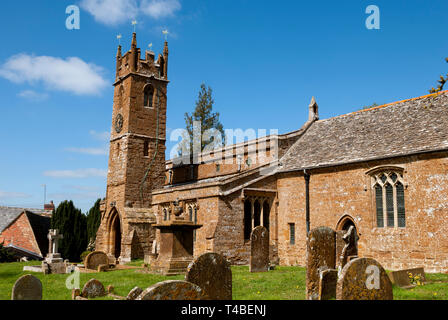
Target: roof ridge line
(388, 104)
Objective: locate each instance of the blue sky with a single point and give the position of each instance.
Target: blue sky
(263, 59)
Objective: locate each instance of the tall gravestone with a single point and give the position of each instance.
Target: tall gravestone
(211, 272)
(320, 256)
(364, 279)
(259, 250)
(27, 287)
(173, 290)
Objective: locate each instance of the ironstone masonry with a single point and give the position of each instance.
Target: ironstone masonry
(382, 170)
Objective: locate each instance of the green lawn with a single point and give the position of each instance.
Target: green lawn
(283, 283)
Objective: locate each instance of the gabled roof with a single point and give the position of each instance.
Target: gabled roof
(40, 225)
(8, 215)
(402, 128)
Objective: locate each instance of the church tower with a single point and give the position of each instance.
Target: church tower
(137, 152)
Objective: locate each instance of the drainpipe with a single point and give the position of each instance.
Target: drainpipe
(306, 175)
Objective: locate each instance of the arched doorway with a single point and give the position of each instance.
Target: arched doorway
(115, 234)
(247, 219)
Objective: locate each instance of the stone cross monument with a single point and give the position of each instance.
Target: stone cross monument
(53, 238)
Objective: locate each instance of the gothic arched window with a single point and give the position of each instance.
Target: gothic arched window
(388, 187)
(148, 96)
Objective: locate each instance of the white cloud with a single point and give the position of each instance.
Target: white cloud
(92, 151)
(13, 195)
(33, 96)
(160, 8)
(77, 174)
(72, 74)
(102, 136)
(111, 12)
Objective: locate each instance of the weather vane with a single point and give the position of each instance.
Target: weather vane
(165, 32)
(134, 23)
(119, 38)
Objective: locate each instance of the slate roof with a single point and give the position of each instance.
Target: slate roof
(8, 215)
(402, 128)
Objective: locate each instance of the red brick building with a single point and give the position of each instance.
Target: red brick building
(24, 231)
(383, 170)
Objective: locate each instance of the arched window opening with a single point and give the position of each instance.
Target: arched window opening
(388, 187)
(148, 96)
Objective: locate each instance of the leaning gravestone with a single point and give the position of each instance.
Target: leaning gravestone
(364, 279)
(173, 290)
(402, 278)
(259, 250)
(92, 289)
(27, 287)
(320, 256)
(211, 272)
(95, 259)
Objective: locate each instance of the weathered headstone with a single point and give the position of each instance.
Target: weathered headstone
(134, 293)
(327, 284)
(95, 259)
(27, 287)
(173, 290)
(320, 256)
(211, 272)
(364, 279)
(93, 288)
(259, 250)
(403, 278)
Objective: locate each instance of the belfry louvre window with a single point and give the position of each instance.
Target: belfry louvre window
(148, 96)
(388, 187)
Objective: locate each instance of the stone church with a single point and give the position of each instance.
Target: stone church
(383, 170)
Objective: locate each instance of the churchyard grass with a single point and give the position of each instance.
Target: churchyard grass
(283, 283)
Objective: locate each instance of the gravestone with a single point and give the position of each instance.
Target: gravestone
(211, 272)
(320, 256)
(259, 250)
(364, 279)
(402, 278)
(134, 293)
(95, 259)
(27, 287)
(92, 289)
(173, 290)
(327, 284)
(350, 249)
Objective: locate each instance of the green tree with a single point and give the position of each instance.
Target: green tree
(93, 220)
(441, 82)
(209, 122)
(72, 223)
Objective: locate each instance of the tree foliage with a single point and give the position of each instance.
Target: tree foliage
(208, 120)
(441, 82)
(72, 223)
(93, 220)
